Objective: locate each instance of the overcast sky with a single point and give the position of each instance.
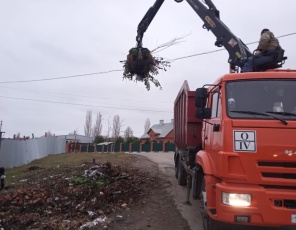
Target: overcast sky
(45, 39)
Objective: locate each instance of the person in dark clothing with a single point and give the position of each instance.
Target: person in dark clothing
(265, 52)
(2, 177)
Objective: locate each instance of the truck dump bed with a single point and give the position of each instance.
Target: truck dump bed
(187, 128)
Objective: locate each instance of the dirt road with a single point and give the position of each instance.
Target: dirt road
(165, 162)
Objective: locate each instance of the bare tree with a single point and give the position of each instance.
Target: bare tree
(48, 133)
(147, 125)
(88, 123)
(97, 129)
(75, 132)
(17, 136)
(117, 125)
(128, 133)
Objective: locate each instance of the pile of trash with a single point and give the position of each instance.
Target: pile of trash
(72, 198)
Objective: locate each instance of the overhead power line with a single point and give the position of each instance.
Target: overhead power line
(110, 71)
(56, 94)
(222, 49)
(58, 78)
(77, 104)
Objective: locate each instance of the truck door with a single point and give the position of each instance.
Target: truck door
(213, 141)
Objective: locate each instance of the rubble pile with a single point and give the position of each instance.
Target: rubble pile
(71, 198)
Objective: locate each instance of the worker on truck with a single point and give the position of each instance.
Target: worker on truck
(265, 53)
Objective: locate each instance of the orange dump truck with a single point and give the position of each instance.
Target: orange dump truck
(236, 148)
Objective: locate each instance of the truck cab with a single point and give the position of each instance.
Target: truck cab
(248, 154)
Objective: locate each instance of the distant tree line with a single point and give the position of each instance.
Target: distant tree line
(95, 130)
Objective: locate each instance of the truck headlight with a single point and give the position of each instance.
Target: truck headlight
(236, 199)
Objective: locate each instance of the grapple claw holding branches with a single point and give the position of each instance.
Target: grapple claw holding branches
(140, 65)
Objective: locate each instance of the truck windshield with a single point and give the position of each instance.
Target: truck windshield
(258, 98)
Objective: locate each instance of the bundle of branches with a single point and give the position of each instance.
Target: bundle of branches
(143, 66)
(140, 65)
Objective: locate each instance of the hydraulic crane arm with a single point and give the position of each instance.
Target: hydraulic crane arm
(147, 19)
(237, 50)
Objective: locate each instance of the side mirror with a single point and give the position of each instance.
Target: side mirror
(203, 113)
(201, 96)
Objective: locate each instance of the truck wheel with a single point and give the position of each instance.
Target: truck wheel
(208, 222)
(176, 170)
(196, 185)
(182, 180)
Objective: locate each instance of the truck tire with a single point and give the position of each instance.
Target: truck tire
(196, 185)
(208, 222)
(182, 180)
(176, 169)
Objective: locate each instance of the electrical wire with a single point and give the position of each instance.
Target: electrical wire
(39, 92)
(110, 71)
(68, 103)
(222, 49)
(58, 78)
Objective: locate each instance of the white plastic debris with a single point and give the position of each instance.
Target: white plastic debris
(98, 221)
(124, 205)
(91, 213)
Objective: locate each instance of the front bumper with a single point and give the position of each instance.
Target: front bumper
(269, 207)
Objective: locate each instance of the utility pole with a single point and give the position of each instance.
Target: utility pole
(1, 133)
(2, 169)
(108, 136)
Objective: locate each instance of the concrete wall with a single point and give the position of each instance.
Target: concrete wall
(18, 152)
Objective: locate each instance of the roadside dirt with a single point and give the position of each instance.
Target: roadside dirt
(156, 211)
(91, 194)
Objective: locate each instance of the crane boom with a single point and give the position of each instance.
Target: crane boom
(147, 19)
(237, 50)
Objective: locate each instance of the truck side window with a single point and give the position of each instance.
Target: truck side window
(216, 104)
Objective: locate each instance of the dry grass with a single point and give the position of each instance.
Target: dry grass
(65, 161)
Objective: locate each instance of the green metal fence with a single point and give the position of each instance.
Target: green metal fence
(125, 148)
(91, 148)
(158, 147)
(169, 147)
(135, 147)
(99, 148)
(116, 147)
(83, 148)
(146, 147)
(108, 148)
